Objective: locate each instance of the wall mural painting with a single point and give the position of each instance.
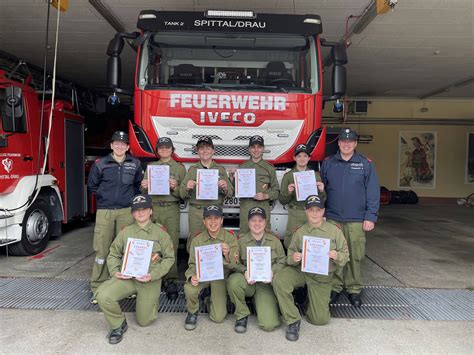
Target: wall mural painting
(417, 160)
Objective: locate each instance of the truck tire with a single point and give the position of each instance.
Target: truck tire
(36, 230)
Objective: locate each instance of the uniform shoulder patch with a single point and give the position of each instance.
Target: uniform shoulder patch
(338, 226)
(98, 160)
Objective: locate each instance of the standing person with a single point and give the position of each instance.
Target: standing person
(319, 286)
(353, 200)
(214, 233)
(146, 287)
(267, 184)
(296, 210)
(166, 208)
(240, 286)
(114, 179)
(187, 191)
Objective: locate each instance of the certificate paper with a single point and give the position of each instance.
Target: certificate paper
(136, 260)
(315, 255)
(259, 263)
(207, 184)
(158, 179)
(209, 264)
(305, 184)
(245, 183)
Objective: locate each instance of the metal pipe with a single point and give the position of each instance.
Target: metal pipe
(405, 121)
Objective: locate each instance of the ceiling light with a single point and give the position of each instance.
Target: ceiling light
(312, 21)
(230, 14)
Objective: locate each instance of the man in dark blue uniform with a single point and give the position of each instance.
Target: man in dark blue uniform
(114, 179)
(353, 199)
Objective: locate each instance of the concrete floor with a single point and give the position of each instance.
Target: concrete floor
(412, 245)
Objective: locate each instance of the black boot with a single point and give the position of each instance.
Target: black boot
(334, 297)
(355, 299)
(172, 291)
(241, 325)
(292, 333)
(191, 321)
(115, 336)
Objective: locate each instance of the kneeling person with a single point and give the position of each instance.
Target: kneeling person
(240, 285)
(147, 287)
(319, 286)
(214, 234)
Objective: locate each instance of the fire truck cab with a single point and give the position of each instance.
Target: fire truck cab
(27, 222)
(228, 75)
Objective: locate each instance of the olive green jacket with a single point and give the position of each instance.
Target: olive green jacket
(268, 240)
(177, 171)
(203, 239)
(162, 254)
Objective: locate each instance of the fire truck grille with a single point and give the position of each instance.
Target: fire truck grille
(231, 142)
(213, 137)
(228, 150)
(242, 138)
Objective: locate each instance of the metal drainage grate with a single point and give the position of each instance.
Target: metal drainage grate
(379, 302)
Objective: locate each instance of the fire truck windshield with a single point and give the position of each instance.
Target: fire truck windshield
(229, 62)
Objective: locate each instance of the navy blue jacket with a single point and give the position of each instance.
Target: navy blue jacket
(352, 188)
(115, 184)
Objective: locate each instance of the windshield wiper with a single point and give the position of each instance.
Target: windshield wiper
(257, 86)
(179, 85)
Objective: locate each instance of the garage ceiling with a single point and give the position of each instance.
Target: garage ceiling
(423, 48)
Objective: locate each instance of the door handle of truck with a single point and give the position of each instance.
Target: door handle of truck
(27, 158)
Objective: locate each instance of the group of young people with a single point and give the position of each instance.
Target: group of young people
(345, 207)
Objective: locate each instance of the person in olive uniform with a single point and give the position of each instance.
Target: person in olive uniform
(114, 179)
(166, 208)
(146, 287)
(353, 201)
(214, 234)
(205, 151)
(296, 210)
(239, 285)
(319, 286)
(267, 183)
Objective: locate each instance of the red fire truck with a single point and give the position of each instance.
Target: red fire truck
(229, 75)
(34, 203)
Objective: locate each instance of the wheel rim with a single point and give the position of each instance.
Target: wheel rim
(36, 226)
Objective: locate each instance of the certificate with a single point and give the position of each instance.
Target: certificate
(259, 263)
(305, 184)
(136, 260)
(245, 183)
(315, 258)
(207, 184)
(158, 179)
(209, 264)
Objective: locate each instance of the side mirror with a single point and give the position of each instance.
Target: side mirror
(114, 64)
(339, 80)
(114, 72)
(339, 75)
(13, 103)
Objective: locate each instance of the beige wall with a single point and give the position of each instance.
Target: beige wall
(451, 142)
